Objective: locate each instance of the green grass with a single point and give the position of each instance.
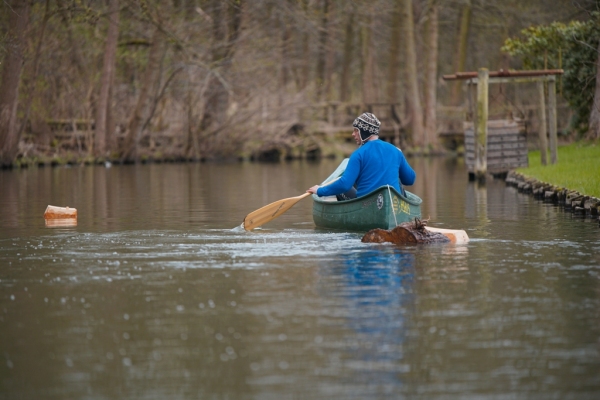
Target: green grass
(578, 168)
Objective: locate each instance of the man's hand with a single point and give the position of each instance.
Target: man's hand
(313, 189)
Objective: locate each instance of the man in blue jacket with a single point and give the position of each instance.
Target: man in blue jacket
(374, 164)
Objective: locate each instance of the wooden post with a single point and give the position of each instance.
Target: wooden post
(552, 118)
(542, 127)
(481, 124)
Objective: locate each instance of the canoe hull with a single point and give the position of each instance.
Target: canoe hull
(383, 208)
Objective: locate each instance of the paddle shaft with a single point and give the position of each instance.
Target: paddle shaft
(270, 212)
(274, 210)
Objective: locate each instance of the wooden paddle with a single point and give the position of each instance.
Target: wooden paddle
(274, 210)
(270, 212)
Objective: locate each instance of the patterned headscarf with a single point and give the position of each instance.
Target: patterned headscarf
(368, 125)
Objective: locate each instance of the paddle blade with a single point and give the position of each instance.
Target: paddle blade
(270, 212)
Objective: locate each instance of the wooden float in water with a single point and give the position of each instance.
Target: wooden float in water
(60, 216)
(415, 232)
(54, 212)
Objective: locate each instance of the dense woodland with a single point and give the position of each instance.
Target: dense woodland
(132, 80)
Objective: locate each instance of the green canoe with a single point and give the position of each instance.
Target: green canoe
(383, 208)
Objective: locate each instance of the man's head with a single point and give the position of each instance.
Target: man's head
(367, 125)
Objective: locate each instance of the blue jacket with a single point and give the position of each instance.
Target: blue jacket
(374, 164)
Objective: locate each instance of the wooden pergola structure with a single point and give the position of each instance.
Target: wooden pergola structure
(482, 78)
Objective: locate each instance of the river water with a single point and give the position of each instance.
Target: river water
(158, 293)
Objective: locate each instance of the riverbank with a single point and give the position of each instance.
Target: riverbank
(573, 182)
(578, 168)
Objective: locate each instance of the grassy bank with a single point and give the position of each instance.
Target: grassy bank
(578, 168)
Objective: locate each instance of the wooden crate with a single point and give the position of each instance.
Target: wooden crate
(506, 145)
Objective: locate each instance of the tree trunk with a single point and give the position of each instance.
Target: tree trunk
(330, 50)
(285, 56)
(11, 77)
(368, 76)
(413, 97)
(461, 51)
(101, 133)
(347, 61)
(594, 125)
(431, 75)
(140, 115)
(322, 51)
(30, 88)
(304, 69)
(395, 49)
(225, 30)
(76, 58)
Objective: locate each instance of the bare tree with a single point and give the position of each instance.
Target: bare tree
(11, 77)
(108, 72)
(322, 51)
(142, 111)
(431, 67)
(226, 24)
(30, 88)
(394, 54)
(412, 79)
(369, 86)
(460, 57)
(347, 58)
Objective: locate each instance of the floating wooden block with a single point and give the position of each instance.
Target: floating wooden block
(53, 212)
(61, 222)
(417, 232)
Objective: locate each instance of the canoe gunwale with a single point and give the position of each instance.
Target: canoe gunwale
(412, 199)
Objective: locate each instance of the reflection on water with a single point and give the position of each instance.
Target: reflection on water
(158, 293)
(377, 295)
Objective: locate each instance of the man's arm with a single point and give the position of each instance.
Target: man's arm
(342, 184)
(406, 173)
